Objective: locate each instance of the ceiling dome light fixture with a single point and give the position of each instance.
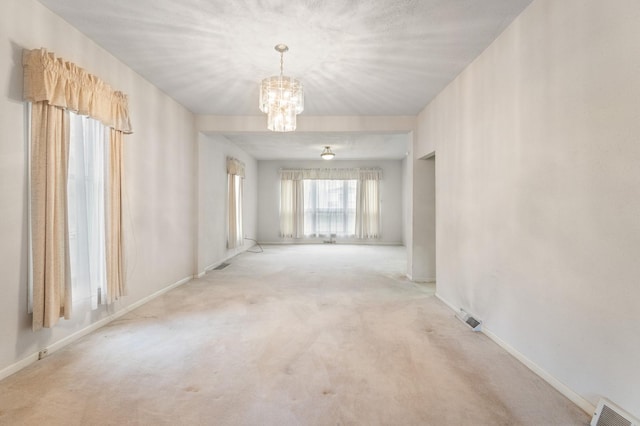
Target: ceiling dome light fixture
(327, 154)
(281, 98)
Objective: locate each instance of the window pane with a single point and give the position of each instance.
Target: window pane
(329, 207)
(235, 235)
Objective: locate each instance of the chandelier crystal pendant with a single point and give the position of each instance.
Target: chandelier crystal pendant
(281, 98)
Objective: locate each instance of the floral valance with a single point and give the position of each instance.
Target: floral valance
(331, 174)
(66, 85)
(235, 167)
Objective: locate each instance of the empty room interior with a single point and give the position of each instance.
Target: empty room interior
(320, 212)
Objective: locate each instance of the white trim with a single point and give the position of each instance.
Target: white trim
(334, 242)
(585, 405)
(570, 394)
(422, 280)
(17, 366)
(450, 305)
(14, 368)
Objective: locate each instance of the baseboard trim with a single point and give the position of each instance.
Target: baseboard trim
(216, 264)
(421, 280)
(343, 243)
(28, 360)
(14, 368)
(565, 390)
(446, 302)
(219, 262)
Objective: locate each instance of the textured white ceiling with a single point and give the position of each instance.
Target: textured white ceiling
(354, 57)
(308, 146)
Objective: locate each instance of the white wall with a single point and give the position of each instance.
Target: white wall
(538, 206)
(390, 196)
(423, 221)
(213, 151)
(160, 181)
(407, 203)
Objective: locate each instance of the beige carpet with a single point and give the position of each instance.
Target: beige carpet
(297, 335)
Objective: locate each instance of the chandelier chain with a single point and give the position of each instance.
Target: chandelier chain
(281, 64)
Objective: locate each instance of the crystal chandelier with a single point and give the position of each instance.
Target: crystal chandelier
(281, 98)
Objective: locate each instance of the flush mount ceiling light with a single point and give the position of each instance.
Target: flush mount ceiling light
(327, 154)
(281, 98)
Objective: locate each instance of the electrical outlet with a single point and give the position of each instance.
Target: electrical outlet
(43, 353)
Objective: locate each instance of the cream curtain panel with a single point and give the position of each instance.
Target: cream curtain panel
(368, 205)
(54, 86)
(114, 238)
(235, 179)
(51, 273)
(291, 205)
(63, 84)
(328, 174)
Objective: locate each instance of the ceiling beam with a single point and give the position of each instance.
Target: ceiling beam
(258, 124)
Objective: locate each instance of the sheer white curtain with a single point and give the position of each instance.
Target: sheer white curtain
(235, 178)
(329, 207)
(86, 186)
(291, 205)
(368, 205)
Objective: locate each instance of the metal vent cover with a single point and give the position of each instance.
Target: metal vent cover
(609, 414)
(470, 320)
(221, 266)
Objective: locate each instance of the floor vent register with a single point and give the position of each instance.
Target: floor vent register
(221, 266)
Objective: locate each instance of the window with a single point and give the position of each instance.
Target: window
(86, 195)
(329, 207)
(330, 202)
(86, 209)
(235, 179)
(63, 207)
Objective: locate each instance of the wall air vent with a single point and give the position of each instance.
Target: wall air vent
(609, 414)
(465, 317)
(221, 266)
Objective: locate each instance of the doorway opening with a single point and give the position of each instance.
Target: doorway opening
(424, 223)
